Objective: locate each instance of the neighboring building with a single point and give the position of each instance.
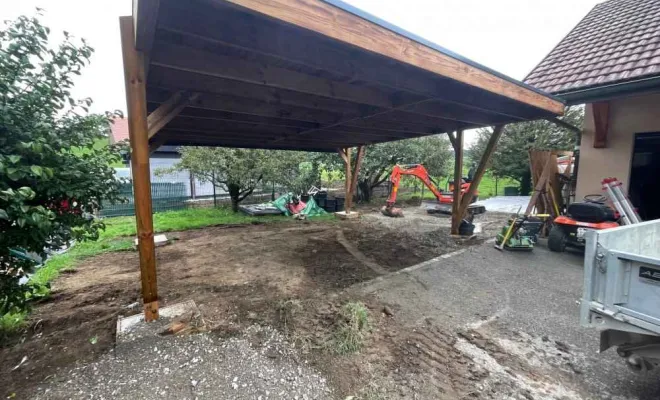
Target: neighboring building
(163, 158)
(611, 62)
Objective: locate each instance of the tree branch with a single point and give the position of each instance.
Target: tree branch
(249, 192)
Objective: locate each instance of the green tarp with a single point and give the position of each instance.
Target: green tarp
(311, 208)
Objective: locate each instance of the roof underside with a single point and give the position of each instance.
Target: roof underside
(312, 75)
(618, 41)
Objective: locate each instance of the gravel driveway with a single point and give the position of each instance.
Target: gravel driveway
(257, 365)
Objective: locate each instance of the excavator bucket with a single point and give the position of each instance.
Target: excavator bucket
(393, 212)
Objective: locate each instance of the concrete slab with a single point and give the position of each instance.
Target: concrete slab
(506, 204)
(350, 215)
(127, 327)
(159, 240)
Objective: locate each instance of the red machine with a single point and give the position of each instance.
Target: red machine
(445, 199)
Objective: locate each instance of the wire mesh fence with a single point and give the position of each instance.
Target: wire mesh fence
(168, 193)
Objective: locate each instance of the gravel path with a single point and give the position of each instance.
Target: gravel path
(257, 365)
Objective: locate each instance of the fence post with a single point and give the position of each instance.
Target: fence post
(215, 201)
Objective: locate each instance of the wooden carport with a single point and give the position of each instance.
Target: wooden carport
(314, 75)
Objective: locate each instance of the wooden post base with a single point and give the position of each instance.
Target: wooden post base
(151, 311)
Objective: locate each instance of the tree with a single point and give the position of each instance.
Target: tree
(433, 152)
(240, 171)
(511, 158)
(54, 167)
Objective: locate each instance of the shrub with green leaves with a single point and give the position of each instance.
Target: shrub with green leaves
(54, 158)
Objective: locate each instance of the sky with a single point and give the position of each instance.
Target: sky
(509, 36)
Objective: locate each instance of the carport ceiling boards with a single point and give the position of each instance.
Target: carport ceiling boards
(310, 75)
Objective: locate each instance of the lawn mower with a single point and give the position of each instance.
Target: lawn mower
(591, 214)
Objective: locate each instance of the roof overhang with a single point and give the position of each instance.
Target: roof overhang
(310, 75)
(612, 91)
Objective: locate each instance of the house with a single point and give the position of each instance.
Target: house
(164, 157)
(611, 63)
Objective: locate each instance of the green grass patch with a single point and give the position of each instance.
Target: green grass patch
(12, 322)
(352, 328)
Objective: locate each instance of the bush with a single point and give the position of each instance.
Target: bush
(54, 159)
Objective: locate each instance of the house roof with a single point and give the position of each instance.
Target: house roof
(310, 75)
(617, 42)
(119, 130)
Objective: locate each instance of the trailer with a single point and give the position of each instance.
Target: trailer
(621, 296)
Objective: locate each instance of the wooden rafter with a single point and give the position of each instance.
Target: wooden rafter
(284, 43)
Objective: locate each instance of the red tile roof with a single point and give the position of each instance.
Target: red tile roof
(618, 41)
(119, 130)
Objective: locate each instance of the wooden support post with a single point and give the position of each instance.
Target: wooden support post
(481, 169)
(136, 105)
(457, 143)
(348, 202)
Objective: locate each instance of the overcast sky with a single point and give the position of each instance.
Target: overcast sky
(509, 36)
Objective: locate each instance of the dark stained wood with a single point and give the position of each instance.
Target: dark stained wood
(199, 113)
(139, 139)
(203, 63)
(456, 217)
(481, 169)
(224, 27)
(331, 141)
(242, 105)
(338, 24)
(601, 113)
(183, 80)
(145, 23)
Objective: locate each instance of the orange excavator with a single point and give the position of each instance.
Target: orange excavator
(445, 199)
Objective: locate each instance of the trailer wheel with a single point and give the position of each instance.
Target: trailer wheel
(557, 239)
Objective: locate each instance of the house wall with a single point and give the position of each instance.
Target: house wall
(628, 116)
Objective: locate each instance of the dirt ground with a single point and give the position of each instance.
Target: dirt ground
(240, 276)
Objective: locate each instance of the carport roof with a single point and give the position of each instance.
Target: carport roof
(309, 75)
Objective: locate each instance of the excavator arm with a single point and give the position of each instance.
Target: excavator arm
(416, 170)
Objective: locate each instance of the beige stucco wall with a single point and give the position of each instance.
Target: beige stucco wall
(628, 116)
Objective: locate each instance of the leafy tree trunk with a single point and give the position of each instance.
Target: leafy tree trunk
(526, 183)
(234, 194)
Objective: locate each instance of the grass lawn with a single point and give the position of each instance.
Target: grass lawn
(119, 236)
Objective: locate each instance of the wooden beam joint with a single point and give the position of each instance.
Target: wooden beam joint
(601, 113)
(167, 111)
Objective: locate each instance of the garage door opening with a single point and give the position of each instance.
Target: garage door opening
(644, 184)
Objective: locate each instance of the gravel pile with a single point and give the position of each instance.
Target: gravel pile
(257, 365)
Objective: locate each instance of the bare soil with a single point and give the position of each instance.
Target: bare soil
(239, 276)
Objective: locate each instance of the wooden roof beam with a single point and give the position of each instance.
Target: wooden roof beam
(242, 105)
(330, 21)
(210, 28)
